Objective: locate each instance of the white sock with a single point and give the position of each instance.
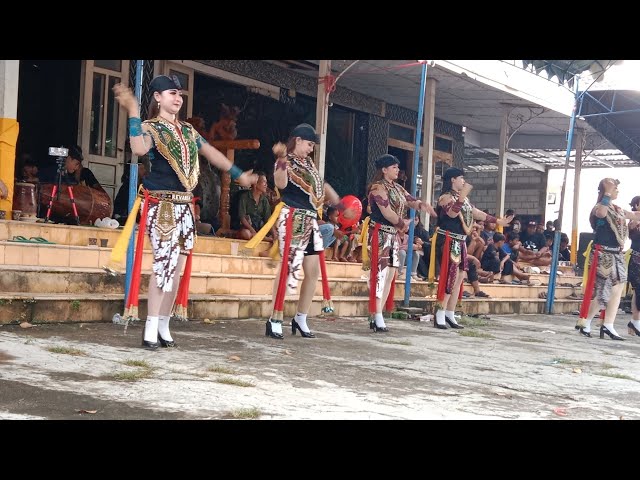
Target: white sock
(151, 330)
(451, 315)
(609, 326)
(379, 319)
(163, 327)
(587, 324)
(301, 320)
(276, 326)
(440, 317)
(636, 323)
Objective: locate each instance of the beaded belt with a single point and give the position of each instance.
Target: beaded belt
(604, 248)
(169, 196)
(386, 228)
(455, 236)
(304, 211)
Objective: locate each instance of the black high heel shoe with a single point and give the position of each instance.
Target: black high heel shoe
(633, 330)
(269, 331)
(375, 328)
(150, 345)
(613, 336)
(437, 325)
(166, 343)
(583, 332)
(295, 325)
(453, 324)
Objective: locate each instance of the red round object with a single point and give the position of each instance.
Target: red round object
(352, 202)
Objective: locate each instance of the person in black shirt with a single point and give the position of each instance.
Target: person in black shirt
(564, 252)
(75, 173)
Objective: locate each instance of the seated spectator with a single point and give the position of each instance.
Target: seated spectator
(487, 233)
(565, 251)
(549, 231)
(510, 268)
(253, 210)
(76, 173)
(341, 242)
(121, 202)
(476, 275)
(532, 240)
(475, 243)
(29, 171)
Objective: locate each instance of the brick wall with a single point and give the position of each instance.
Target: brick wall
(525, 193)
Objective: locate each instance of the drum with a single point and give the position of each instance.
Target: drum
(90, 203)
(24, 199)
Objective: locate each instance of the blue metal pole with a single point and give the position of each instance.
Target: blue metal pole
(556, 242)
(133, 189)
(414, 178)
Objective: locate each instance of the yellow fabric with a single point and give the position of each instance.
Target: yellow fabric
(585, 273)
(9, 130)
(432, 257)
(257, 238)
(364, 241)
(116, 261)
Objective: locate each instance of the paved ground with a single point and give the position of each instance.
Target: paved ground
(507, 367)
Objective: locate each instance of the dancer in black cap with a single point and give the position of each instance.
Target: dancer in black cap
(303, 192)
(173, 147)
(388, 201)
(455, 219)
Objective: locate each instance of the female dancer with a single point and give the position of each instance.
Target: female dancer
(455, 220)
(173, 147)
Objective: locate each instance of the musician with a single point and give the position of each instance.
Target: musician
(75, 173)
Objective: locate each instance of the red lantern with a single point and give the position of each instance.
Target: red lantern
(350, 202)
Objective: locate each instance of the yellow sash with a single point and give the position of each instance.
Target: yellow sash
(116, 260)
(257, 238)
(364, 241)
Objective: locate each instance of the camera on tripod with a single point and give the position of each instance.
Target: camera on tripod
(58, 151)
(61, 154)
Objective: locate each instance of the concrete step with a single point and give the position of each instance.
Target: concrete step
(71, 235)
(38, 308)
(19, 278)
(27, 254)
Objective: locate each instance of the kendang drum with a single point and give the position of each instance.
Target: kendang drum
(24, 199)
(90, 203)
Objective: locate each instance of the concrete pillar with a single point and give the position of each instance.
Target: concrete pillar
(576, 196)
(322, 113)
(9, 73)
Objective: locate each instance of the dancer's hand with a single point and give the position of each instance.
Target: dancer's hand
(279, 150)
(466, 190)
(247, 178)
(504, 221)
(4, 191)
(126, 99)
(426, 207)
(610, 186)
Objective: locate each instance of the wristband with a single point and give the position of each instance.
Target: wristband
(235, 172)
(606, 200)
(135, 127)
